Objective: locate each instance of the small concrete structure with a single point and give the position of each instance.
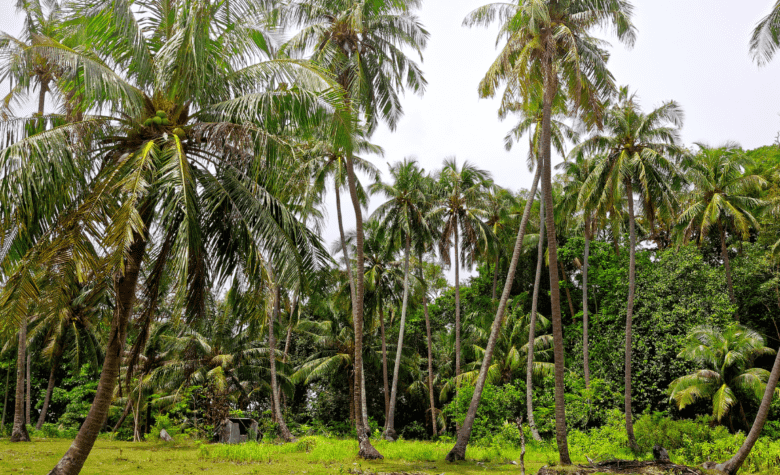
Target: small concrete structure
(236, 430)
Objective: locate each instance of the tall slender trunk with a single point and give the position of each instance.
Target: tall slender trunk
(458, 452)
(630, 314)
(19, 431)
(430, 349)
(55, 362)
(384, 357)
(352, 286)
(733, 465)
(125, 290)
(495, 276)
(367, 451)
(28, 395)
(5, 400)
(284, 431)
(529, 373)
(550, 90)
(585, 356)
(566, 289)
(390, 433)
(457, 303)
(137, 416)
(727, 264)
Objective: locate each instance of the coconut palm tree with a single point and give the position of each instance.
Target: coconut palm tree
(181, 140)
(766, 37)
(460, 207)
(362, 42)
(720, 196)
(551, 43)
(637, 149)
(726, 360)
(403, 215)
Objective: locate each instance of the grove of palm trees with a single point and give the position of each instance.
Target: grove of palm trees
(209, 262)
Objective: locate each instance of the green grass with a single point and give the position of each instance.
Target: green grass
(310, 456)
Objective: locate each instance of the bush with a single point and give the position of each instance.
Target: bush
(658, 428)
(498, 405)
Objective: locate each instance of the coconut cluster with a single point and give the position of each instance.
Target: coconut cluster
(161, 119)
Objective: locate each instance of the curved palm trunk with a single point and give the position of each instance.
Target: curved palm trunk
(585, 356)
(550, 89)
(390, 433)
(55, 362)
(630, 314)
(125, 285)
(124, 415)
(19, 431)
(284, 431)
(529, 373)
(367, 451)
(733, 465)
(727, 264)
(458, 452)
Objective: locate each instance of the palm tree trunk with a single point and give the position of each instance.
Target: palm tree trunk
(390, 433)
(550, 89)
(384, 358)
(630, 314)
(457, 304)
(19, 431)
(283, 429)
(28, 396)
(137, 416)
(585, 356)
(124, 415)
(733, 465)
(529, 373)
(430, 360)
(727, 264)
(352, 285)
(495, 276)
(566, 288)
(367, 451)
(148, 421)
(125, 285)
(5, 400)
(458, 452)
(55, 361)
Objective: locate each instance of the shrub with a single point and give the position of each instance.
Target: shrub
(498, 405)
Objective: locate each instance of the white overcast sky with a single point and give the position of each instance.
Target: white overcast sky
(691, 51)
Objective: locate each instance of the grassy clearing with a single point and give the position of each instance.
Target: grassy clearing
(310, 456)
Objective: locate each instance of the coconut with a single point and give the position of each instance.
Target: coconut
(180, 132)
(148, 122)
(165, 121)
(162, 114)
(157, 120)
